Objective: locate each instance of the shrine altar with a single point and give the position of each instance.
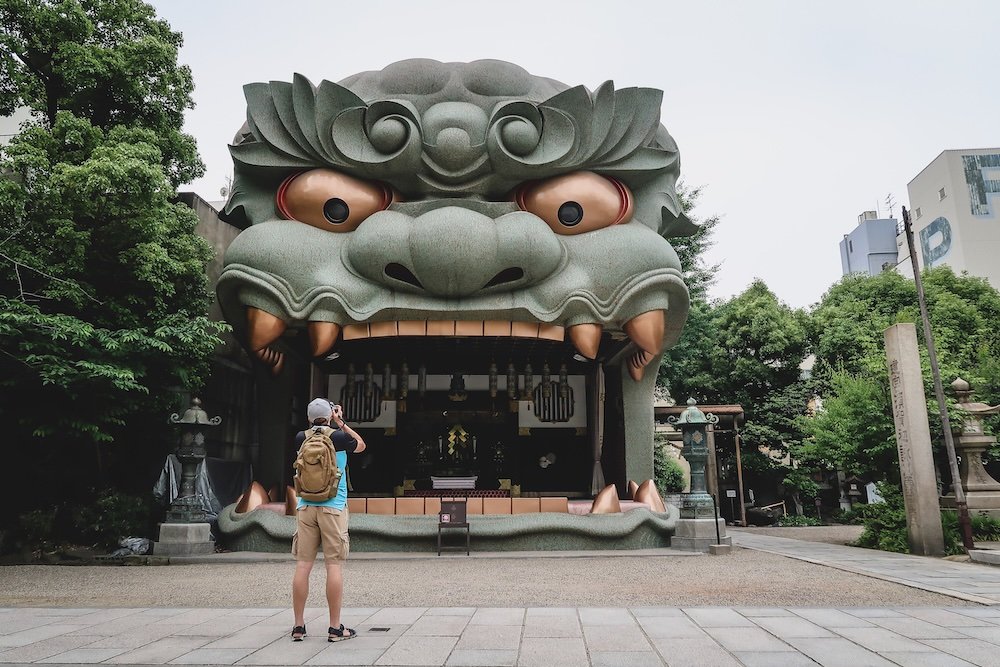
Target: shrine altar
(454, 482)
(457, 493)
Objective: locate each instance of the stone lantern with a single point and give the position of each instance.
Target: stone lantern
(982, 492)
(693, 424)
(187, 506)
(186, 530)
(699, 528)
(854, 488)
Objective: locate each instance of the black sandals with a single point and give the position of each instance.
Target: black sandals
(340, 634)
(298, 632)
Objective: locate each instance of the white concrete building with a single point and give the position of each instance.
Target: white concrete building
(955, 211)
(11, 125)
(869, 248)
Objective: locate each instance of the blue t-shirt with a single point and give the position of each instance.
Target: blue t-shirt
(342, 443)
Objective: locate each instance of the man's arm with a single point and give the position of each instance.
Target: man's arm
(354, 434)
(349, 431)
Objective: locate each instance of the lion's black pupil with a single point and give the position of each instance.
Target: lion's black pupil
(336, 210)
(570, 213)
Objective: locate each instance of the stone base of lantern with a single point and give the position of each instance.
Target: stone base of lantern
(184, 539)
(699, 535)
(987, 504)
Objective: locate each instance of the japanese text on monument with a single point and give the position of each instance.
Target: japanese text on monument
(902, 436)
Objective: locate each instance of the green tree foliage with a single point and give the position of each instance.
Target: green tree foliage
(760, 347)
(103, 292)
(699, 275)
(855, 430)
(686, 368)
(109, 61)
(667, 472)
(761, 341)
(748, 350)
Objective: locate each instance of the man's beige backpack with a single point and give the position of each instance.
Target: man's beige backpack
(317, 474)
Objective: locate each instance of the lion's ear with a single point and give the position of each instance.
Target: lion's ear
(675, 224)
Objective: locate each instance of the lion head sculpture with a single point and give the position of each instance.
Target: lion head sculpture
(428, 195)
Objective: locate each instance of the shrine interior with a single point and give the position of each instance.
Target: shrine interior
(477, 415)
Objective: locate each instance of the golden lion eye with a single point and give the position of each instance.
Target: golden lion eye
(330, 200)
(576, 203)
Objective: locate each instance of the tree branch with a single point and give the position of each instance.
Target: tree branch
(13, 234)
(51, 102)
(20, 361)
(27, 63)
(20, 285)
(46, 275)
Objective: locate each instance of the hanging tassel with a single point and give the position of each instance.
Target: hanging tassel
(511, 387)
(387, 383)
(403, 387)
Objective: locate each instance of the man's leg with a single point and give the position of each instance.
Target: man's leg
(334, 590)
(300, 589)
(336, 546)
(305, 544)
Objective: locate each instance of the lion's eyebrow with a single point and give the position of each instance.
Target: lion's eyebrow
(493, 209)
(608, 130)
(297, 126)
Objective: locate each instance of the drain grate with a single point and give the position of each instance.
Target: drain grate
(378, 629)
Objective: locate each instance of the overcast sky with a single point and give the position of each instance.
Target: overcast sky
(794, 116)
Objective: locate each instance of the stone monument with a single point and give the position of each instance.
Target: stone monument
(913, 441)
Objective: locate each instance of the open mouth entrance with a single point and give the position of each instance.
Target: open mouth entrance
(487, 416)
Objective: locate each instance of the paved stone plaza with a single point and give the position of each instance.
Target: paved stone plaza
(943, 613)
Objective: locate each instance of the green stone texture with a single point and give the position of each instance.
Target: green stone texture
(455, 139)
(264, 530)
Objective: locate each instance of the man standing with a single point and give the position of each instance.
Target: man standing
(324, 523)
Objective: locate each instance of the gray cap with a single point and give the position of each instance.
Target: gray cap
(319, 408)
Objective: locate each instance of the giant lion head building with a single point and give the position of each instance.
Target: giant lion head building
(473, 260)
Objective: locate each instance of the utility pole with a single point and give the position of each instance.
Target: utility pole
(964, 522)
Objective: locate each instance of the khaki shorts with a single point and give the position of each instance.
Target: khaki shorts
(321, 525)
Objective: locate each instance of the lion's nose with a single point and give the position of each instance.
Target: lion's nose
(454, 252)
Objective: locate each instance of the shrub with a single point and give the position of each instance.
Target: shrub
(797, 521)
(102, 522)
(847, 517)
(985, 528)
(952, 536)
(35, 527)
(112, 517)
(885, 525)
(667, 472)
(885, 522)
